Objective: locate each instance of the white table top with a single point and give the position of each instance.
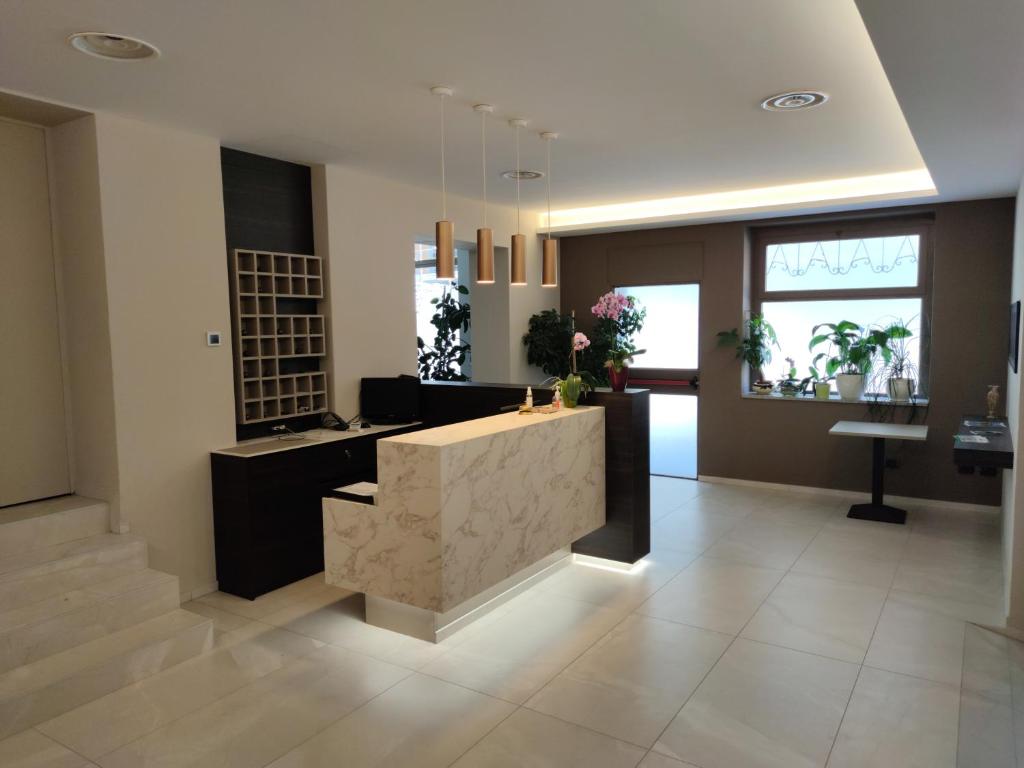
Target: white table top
(874, 429)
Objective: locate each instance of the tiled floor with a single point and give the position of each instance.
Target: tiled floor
(765, 629)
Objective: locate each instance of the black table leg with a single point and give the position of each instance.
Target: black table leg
(876, 510)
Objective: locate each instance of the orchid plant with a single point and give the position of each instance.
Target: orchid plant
(619, 318)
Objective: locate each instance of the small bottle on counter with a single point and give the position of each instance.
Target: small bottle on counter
(556, 400)
(529, 397)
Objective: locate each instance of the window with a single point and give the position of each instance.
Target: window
(869, 274)
(670, 329)
(428, 287)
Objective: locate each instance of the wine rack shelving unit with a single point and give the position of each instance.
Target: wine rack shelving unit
(278, 348)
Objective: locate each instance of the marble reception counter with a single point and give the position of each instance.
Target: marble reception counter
(465, 512)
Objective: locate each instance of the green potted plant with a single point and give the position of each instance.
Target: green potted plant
(443, 361)
(618, 318)
(899, 371)
(576, 384)
(549, 333)
(754, 348)
(822, 383)
(850, 355)
(791, 386)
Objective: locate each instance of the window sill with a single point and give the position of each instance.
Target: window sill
(834, 400)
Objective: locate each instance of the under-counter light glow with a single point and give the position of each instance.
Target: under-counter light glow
(615, 566)
(916, 183)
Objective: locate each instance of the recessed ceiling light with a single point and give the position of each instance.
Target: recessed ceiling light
(105, 45)
(522, 175)
(792, 100)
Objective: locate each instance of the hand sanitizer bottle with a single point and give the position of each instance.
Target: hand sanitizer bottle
(529, 397)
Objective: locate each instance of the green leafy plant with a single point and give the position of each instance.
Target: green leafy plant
(900, 364)
(851, 348)
(549, 334)
(754, 347)
(442, 361)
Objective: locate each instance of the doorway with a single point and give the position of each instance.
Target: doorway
(669, 368)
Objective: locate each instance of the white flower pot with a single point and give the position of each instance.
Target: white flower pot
(901, 390)
(850, 385)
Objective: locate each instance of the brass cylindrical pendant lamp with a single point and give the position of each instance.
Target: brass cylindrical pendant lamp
(484, 235)
(444, 232)
(549, 265)
(517, 274)
(549, 276)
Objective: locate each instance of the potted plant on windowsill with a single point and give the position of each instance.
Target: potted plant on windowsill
(822, 384)
(791, 386)
(850, 355)
(754, 348)
(900, 371)
(618, 319)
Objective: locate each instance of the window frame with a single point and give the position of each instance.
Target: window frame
(762, 237)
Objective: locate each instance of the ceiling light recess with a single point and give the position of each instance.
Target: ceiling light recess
(523, 175)
(106, 45)
(791, 101)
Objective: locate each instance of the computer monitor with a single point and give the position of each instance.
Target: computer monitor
(389, 400)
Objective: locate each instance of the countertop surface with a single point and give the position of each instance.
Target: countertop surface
(263, 445)
(877, 429)
(489, 425)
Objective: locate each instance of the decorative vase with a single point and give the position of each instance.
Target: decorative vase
(619, 378)
(901, 390)
(571, 388)
(822, 390)
(992, 400)
(850, 386)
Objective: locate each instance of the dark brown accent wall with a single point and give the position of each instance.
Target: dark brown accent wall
(781, 441)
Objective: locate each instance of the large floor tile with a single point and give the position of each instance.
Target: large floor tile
(670, 493)
(762, 707)
(531, 739)
(223, 622)
(618, 589)
(264, 605)
(31, 749)
(896, 720)
(694, 527)
(632, 683)
(420, 723)
(262, 721)
(849, 556)
(800, 509)
(966, 578)
(765, 543)
(713, 594)
(517, 654)
(818, 615)
(139, 709)
(654, 760)
(912, 640)
(985, 736)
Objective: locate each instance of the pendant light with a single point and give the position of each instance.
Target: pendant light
(518, 271)
(484, 235)
(549, 272)
(443, 231)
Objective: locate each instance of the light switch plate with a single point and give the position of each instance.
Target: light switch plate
(213, 338)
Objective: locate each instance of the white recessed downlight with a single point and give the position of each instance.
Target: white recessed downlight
(793, 100)
(106, 45)
(522, 175)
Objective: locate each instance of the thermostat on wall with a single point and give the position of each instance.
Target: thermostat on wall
(213, 338)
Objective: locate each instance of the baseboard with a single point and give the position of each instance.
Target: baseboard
(853, 496)
(195, 594)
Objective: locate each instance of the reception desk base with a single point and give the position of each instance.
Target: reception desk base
(435, 627)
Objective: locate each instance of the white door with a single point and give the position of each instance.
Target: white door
(33, 433)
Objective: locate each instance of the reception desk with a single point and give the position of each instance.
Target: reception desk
(466, 512)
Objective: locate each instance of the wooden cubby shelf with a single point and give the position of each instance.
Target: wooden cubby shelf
(267, 331)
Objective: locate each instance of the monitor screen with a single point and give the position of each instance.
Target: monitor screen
(389, 400)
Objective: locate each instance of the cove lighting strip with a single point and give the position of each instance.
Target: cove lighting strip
(916, 183)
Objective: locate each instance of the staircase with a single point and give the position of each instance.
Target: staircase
(81, 614)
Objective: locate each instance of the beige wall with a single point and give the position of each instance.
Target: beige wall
(82, 278)
(367, 226)
(1013, 483)
(163, 234)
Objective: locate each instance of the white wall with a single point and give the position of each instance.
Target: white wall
(1013, 482)
(367, 226)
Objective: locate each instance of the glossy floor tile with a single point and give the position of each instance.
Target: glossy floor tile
(765, 629)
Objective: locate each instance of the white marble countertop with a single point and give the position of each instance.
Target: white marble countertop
(875, 429)
(263, 445)
(488, 425)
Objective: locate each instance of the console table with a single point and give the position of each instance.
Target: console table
(877, 510)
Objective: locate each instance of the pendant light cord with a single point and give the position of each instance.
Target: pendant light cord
(444, 184)
(483, 150)
(549, 189)
(517, 181)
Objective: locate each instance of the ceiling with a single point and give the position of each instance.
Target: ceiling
(650, 104)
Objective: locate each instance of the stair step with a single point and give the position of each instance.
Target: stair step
(40, 629)
(17, 593)
(104, 549)
(52, 521)
(44, 689)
